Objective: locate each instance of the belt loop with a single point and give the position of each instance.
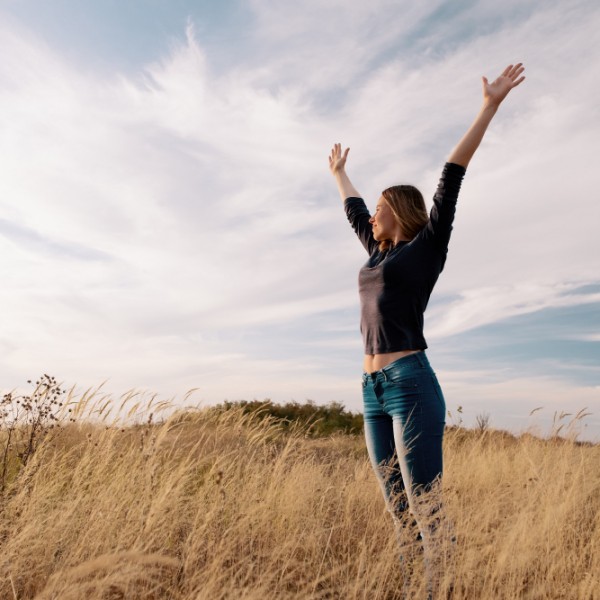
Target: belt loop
(384, 375)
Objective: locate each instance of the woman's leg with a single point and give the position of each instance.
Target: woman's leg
(379, 436)
(415, 400)
(381, 446)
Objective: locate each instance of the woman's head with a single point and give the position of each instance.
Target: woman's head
(408, 209)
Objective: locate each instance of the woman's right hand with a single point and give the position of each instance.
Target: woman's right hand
(337, 160)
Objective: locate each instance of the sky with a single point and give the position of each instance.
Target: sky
(168, 221)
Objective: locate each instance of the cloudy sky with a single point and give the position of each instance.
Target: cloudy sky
(168, 220)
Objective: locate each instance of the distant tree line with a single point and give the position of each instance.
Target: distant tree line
(319, 420)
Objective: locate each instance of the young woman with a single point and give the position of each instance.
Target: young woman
(404, 409)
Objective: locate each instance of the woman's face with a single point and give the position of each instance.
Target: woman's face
(385, 226)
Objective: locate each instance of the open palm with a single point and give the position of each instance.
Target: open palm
(337, 158)
(496, 91)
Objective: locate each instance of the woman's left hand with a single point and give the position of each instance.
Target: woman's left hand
(495, 92)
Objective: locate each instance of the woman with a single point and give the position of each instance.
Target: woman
(404, 408)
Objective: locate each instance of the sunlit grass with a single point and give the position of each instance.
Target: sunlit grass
(210, 504)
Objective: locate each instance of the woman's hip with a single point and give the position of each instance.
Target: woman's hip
(406, 389)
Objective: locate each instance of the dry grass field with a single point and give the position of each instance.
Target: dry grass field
(213, 505)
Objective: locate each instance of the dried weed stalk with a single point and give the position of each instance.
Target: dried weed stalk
(25, 421)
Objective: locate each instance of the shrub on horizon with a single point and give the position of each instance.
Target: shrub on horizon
(319, 420)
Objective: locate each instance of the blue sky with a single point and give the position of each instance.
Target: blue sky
(168, 220)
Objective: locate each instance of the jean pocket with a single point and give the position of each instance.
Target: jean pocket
(402, 381)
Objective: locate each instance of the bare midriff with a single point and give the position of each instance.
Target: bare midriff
(375, 362)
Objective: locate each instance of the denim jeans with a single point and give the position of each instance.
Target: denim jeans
(404, 416)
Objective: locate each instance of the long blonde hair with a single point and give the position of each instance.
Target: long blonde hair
(408, 206)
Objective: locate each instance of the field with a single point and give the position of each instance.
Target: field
(226, 504)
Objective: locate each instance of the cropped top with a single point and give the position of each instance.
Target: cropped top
(394, 286)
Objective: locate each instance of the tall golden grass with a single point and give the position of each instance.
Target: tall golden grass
(226, 505)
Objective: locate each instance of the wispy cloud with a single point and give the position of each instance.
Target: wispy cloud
(33, 241)
(586, 337)
(482, 306)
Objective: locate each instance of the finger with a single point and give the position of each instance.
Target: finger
(506, 71)
(516, 83)
(346, 153)
(517, 70)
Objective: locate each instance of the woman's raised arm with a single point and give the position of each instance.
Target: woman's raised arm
(493, 95)
(337, 166)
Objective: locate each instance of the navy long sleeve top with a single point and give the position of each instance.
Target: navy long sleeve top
(395, 285)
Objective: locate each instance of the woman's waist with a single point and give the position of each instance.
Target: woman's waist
(377, 362)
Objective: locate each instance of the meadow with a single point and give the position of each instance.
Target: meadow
(228, 502)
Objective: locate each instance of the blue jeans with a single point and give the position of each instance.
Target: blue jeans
(404, 416)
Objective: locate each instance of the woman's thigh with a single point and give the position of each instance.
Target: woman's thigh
(378, 425)
(381, 446)
(414, 400)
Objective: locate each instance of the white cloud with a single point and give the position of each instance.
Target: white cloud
(483, 306)
(318, 47)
